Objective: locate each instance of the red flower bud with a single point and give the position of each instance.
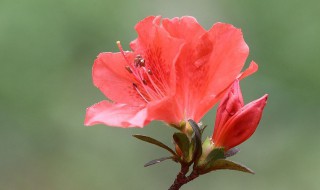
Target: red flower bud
(235, 122)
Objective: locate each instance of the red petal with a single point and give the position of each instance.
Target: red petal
(227, 58)
(190, 77)
(207, 69)
(194, 49)
(159, 49)
(166, 110)
(111, 77)
(229, 105)
(186, 28)
(253, 67)
(119, 115)
(242, 125)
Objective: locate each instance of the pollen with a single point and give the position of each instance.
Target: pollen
(139, 61)
(144, 82)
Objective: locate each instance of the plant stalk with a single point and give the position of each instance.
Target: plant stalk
(182, 179)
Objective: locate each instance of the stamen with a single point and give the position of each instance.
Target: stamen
(135, 86)
(139, 61)
(142, 62)
(157, 89)
(144, 81)
(120, 48)
(150, 89)
(124, 56)
(128, 69)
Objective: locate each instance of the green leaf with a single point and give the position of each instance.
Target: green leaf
(183, 143)
(156, 161)
(155, 142)
(232, 152)
(229, 165)
(197, 140)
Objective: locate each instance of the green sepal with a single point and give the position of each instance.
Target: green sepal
(155, 142)
(207, 147)
(223, 164)
(197, 149)
(156, 161)
(182, 141)
(192, 150)
(214, 155)
(208, 159)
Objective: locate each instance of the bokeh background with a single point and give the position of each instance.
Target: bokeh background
(47, 50)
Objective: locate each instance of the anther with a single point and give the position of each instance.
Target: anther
(122, 52)
(120, 47)
(144, 81)
(139, 61)
(142, 62)
(128, 69)
(149, 72)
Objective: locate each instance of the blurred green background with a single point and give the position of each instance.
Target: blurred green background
(47, 50)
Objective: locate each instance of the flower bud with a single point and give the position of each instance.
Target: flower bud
(235, 123)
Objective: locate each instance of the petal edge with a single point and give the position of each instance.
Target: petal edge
(118, 115)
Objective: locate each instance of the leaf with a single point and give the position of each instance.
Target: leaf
(156, 161)
(155, 142)
(229, 165)
(231, 152)
(197, 140)
(183, 143)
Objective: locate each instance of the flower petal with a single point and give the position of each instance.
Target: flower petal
(253, 67)
(159, 50)
(191, 79)
(228, 57)
(186, 28)
(111, 77)
(242, 125)
(166, 110)
(119, 115)
(224, 65)
(229, 105)
(208, 67)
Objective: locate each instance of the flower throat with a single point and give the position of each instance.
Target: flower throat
(145, 83)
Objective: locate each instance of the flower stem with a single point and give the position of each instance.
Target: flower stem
(182, 179)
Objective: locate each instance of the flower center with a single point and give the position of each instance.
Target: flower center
(145, 82)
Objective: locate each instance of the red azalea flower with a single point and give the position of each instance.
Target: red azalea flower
(176, 71)
(235, 122)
